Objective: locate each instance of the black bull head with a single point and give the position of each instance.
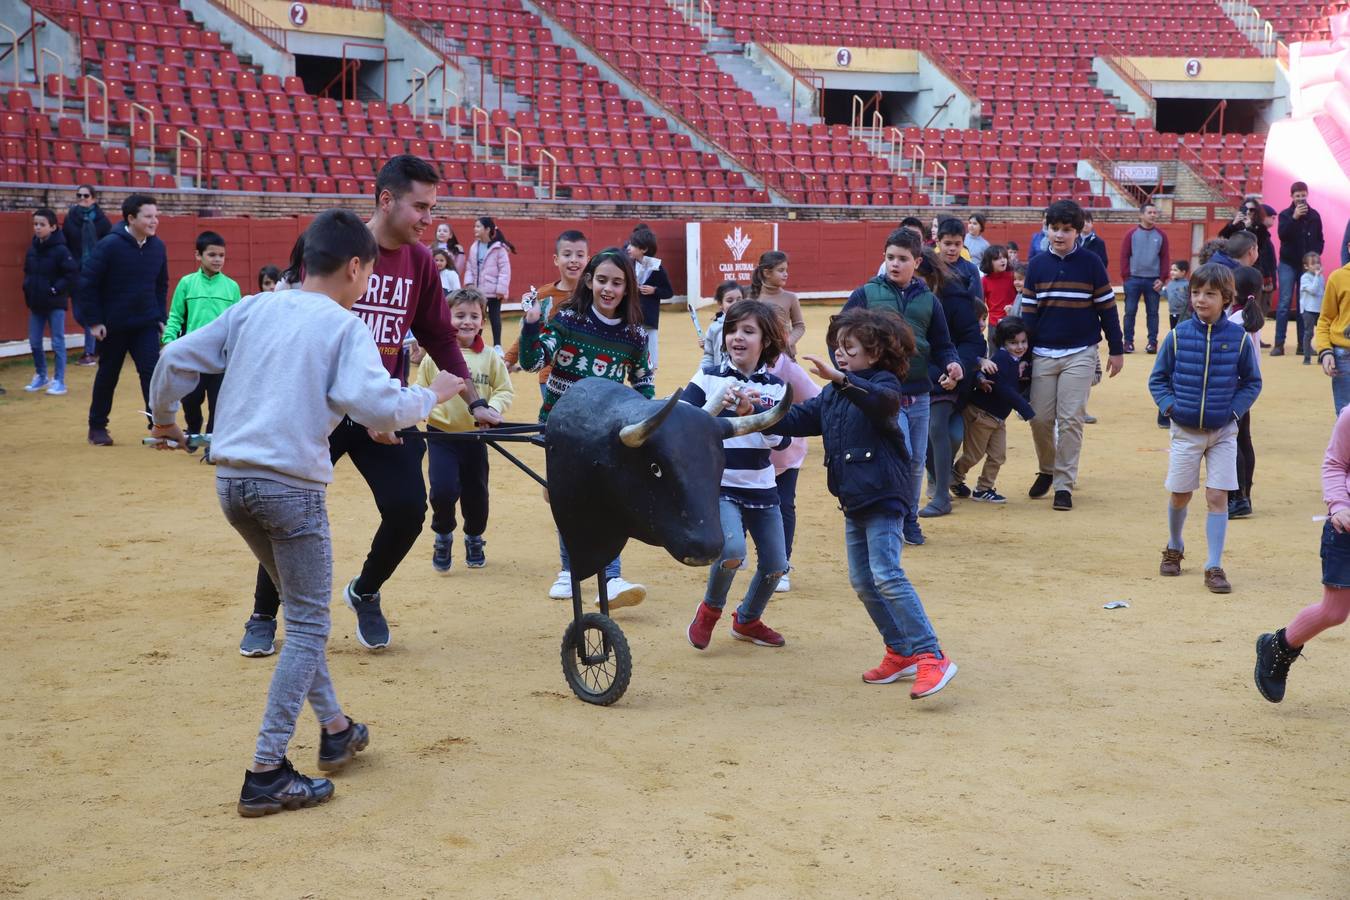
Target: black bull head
(620, 466)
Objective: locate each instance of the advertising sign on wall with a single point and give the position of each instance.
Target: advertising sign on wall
(725, 251)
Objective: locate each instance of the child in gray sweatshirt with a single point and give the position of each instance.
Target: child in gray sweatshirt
(299, 361)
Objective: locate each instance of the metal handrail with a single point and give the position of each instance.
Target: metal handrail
(418, 87)
(131, 138)
(1218, 110)
(255, 21)
(539, 175)
(777, 49)
(18, 71)
(855, 118)
(33, 26)
(1130, 74)
(445, 107)
(939, 167)
(918, 162)
(507, 165)
(43, 53)
(384, 52)
(474, 114)
(178, 156)
(107, 107)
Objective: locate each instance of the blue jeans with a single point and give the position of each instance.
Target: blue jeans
(1340, 383)
(613, 570)
(56, 320)
(766, 527)
(1134, 288)
(874, 544)
(913, 421)
(287, 530)
(90, 345)
(1284, 306)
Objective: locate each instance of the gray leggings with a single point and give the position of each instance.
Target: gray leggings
(287, 530)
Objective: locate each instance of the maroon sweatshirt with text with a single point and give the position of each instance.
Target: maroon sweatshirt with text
(405, 294)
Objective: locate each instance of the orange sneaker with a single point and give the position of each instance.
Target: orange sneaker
(756, 632)
(934, 673)
(893, 667)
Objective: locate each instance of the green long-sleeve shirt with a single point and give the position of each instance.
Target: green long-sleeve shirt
(199, 299)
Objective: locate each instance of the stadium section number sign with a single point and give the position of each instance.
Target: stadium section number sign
(723, 251)
(299, 15)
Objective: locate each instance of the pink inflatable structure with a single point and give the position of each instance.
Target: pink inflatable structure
(1313, 144)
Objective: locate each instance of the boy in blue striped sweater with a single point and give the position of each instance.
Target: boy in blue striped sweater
(1068, 305)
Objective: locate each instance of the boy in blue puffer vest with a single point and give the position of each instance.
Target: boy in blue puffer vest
(868, 468)
(1206, 378)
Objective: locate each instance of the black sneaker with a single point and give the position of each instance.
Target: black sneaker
(913, 534)
(1063, 500)
(371, 628)
(442, 555)
(1239, 508)
(960, 490)
(265, 793)
(1040, 487)
(1273, 659)
(336, 750)
(474, 557)
(1129, 346)
(989, 496)
(1152, 347)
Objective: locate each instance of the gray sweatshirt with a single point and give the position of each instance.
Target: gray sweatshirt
(298, 362)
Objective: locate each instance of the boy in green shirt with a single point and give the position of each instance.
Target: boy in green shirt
(198, 300)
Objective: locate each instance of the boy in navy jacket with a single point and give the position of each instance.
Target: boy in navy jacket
(48, 272)
(867, 468)
(1205, 379)
(997, 394)
(124, 289)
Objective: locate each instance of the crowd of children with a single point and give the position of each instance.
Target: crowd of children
(925, 364)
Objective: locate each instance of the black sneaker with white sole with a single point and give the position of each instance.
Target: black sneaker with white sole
(442, 554)
(988, 496)
(336, 750)
(371, 628)
(265, 793)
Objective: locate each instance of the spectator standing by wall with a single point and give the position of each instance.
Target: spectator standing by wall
(1144, 262)
(1300, 230)
(85, 226)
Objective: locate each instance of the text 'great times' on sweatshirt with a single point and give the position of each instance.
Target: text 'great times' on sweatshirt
(298, 363)
(404, 293)
(1068, 303)
(748, 478)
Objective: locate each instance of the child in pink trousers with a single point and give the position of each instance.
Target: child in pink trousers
(1276, 652)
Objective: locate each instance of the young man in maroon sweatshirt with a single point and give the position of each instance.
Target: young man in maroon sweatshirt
(404, 294)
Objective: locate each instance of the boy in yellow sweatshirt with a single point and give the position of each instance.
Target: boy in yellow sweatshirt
(459, 469)
(1331, 337)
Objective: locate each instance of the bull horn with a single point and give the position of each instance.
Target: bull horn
(739, 425)
(636, 435)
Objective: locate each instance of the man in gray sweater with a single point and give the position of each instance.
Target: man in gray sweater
(298, 362)
(1144, 261)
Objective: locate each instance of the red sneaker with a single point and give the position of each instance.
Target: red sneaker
(892, 667)
(700, 630)
(934, 673)
(756, 632)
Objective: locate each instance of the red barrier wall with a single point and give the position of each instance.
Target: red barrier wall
(825, 256)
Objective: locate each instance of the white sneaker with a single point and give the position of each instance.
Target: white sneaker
(497, 349)
(623, 593)
(562, 587)
(784, 585)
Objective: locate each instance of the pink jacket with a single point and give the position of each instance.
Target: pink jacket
(1336, 466)
(494, 277)
(803, 388)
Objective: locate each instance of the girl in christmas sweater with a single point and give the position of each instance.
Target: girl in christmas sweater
(596, 333)
(754, 339)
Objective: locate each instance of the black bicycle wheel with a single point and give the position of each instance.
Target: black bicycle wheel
(596, 662)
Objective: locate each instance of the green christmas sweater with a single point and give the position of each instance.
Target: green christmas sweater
(585, 345)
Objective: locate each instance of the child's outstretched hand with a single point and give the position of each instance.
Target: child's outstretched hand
(529, 302)
(988, 366)
(824, 369)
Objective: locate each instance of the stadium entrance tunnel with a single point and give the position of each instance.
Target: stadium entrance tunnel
(839, 106)
(1186, 115)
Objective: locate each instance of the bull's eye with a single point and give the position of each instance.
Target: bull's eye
(656, 470)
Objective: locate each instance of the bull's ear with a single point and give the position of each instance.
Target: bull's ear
(739, 425)
(636, 435)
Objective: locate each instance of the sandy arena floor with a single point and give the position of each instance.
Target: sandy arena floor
(1080, 752)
